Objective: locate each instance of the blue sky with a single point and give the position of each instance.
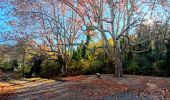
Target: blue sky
(4, 27)
(2, 22)
(5, 17)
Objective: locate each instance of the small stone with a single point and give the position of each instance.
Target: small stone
(98, 75)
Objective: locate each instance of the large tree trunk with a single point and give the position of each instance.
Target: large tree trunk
(65, 68)
(117, 60)
(118, 65)
(115, 56)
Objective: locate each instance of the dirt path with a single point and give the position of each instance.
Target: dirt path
(86, 88)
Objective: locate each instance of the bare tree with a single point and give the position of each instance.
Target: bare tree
(113, 19)
(49, 27)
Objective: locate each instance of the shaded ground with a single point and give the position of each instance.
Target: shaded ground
(85, 88)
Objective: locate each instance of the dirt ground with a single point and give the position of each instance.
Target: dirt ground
(85, 87)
